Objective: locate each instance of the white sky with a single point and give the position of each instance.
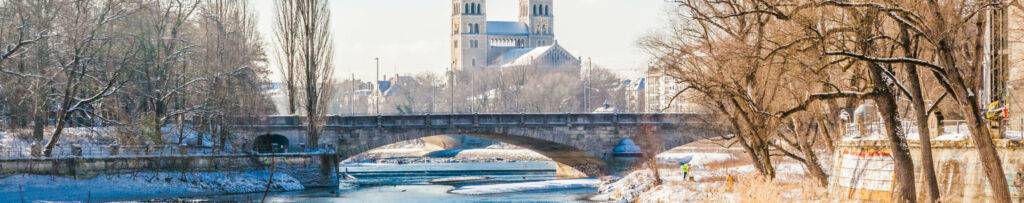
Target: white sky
(412, 36)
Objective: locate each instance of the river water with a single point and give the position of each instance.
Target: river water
(411, 183)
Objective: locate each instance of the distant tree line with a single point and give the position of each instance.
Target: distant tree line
(521, 89)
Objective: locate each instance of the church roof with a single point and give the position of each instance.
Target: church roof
(527, 56)
(506, 28)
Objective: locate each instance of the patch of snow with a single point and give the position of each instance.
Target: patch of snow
(139, 185)
(504, 154)
(952, 136)
(189, 136)
(626, 189)
(695, 159)
(1014, 135)
(870, 136)
(526, 186)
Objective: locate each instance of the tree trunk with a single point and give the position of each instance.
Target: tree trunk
(759, 163)
(38, 125)
(57, 131)
(904, 188)
(903, 167)
(763, 153)
(979, 129)
(971, 109)
(920, 113)
(810, 158)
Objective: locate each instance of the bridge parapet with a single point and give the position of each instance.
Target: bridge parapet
(482, 120)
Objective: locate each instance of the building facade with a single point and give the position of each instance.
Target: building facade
(478, 43)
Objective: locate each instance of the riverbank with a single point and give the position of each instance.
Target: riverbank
(144, 185)
(707, 180)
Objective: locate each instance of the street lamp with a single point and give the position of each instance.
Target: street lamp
(451, 88)
(376, 82)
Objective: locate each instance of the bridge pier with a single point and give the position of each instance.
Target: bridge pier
(567, 171)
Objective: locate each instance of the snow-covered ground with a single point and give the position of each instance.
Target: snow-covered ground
(705, 182)
(526, 186)
(506, 154)
(695, 159)
(139, 185)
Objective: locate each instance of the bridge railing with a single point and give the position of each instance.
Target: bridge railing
(481, 119)
(110, 151)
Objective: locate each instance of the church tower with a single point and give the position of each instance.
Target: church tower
(469, 34)
(539, 17)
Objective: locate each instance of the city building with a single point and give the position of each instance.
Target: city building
(664, 95)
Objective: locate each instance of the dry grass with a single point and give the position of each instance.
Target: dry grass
(754, 188)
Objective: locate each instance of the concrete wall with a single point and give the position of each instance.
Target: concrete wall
(312, 170)
(863, 170)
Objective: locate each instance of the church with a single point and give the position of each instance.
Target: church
(478, 43)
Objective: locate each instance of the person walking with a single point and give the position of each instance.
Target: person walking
(685, 167)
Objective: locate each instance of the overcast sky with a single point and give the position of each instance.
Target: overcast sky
(412, 36)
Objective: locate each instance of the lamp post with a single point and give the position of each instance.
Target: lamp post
(352, 95)
(452, 88)
(376, 83)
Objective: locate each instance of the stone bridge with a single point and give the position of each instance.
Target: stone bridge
(581, 144)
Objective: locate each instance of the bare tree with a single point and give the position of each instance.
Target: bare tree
(228, 42)
(304, 29)
(288, 31)
(91, 70)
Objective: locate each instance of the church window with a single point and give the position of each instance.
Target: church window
(476, 28)
(534, 11)
(476, 9)
(546, 13)
(465, 9)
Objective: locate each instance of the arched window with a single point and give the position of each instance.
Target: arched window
(477, 28)
(465, 9)
(476, 9)
(546, 11)
(534, 11)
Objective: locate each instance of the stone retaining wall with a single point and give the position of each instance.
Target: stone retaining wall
(863, 170)
(313, 170)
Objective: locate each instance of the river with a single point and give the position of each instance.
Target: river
(411, 183)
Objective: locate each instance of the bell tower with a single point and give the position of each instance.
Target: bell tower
(539, 17)
(469, 34)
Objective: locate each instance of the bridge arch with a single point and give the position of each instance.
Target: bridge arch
(270, 142)
(571, 161)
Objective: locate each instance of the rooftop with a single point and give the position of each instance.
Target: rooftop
(507, 28)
